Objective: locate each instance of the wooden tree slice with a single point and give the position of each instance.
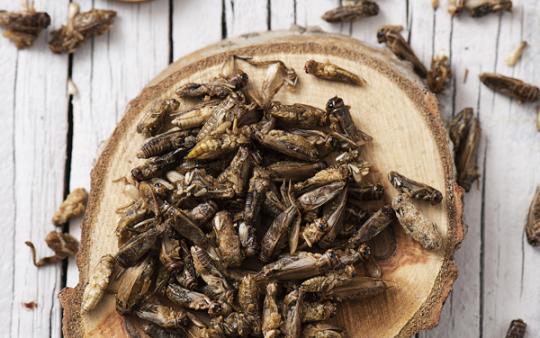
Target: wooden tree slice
(409, 136)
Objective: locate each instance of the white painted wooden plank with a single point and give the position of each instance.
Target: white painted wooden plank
(246, 16)
(308, 13)
(38, 147)
(282, 14)
(8, 71)
(109, 72)
(195, 25)
(512, 281)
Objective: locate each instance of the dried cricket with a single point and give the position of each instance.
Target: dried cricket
(337, 107)
(97, 283)
(219, 87)
(73, 206)
(464, 130)
(292, 312)
(515, 56)
(154, 119)
(393, 39)
(479, 8)
(228, 241)
(415, 224)
(348, 13)
(331, 72)
(63, 245)
(373, 226)
(22, 28)
(414, 189)
(439, 74)
(318, 311)
(511, 87)
(516, 329)
(80, 27)
(532, 228)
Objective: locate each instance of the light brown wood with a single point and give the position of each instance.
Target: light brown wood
(393, 107)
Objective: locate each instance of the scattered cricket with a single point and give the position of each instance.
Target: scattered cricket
(80, 27)
(23, 27)
(532, 228)
(511, 87)
(439, 74)
(352, 12)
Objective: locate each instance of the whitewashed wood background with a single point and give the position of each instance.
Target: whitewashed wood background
(48, 139)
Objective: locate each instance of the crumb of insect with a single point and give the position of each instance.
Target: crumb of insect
(31, 305)
(532, 227)
(73, 206)
(80, 27)
(455, 7)
(517, 329)
(435, 4)
(515, 56)
(72, 88)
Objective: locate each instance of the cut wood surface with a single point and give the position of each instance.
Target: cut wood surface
(498, 278)
(393, 107)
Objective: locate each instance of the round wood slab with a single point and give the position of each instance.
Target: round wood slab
(409, 136)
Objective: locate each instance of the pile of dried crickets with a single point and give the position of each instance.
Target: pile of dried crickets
(248, 216)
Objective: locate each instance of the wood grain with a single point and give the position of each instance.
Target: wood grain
(37, 118)
(421, 280)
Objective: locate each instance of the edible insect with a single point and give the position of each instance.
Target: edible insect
(439, 74)
(331, 72)
(154, 119)
(73, 206)
(63, 245)
(317, 197)
(237, 173)
(511, 87)
(373, 226)
(155, 166)
(218, 87)
(399, 46)
(294, 170)
(485, 7)
(227, 240)
(166, 142)
(163, 316)
(348, 13)
(517, 329)
(191, 299)
(341, 111)
(292, 145)
(22, 28)
(135, 285)
(258, 186)
(324, 284)
(208, 271)
(368, 192)
(415, 224)
(137, 247)
(515, 56)
(532, 228)
(292, 311)
(299, 115)
(318, 311)
(414, 189)
(97, 283)
(271, 318)
(464, 130)
(195, 116)
(80, 27)
(215, 146)
(357, 288)
(323, 177)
